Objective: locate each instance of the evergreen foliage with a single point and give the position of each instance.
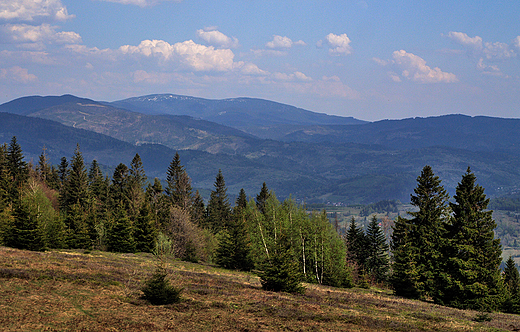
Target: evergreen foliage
(512, 287)
(219, 208)
(179, 188)
(145, 231)
(262, 197)
(471, 252)
(377, 262)
(120, 234)
(17, 167)
(417, 243)
(158, 291)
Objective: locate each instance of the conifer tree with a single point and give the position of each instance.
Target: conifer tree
(4, 178)
(234, 248)
(63, 170)
(262, 197)
(75, 187)
(18, 169)
(471, 252)
(219, 208)
(120, 233)
(377, 262)
(179, 188)
(145, 231)
(136, 182)
(198, 210)
(356, 245)
(421, 237)
(24, 232)
(512, 284)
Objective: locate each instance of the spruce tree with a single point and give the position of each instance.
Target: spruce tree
(24, 233)
(219, 208)
(179, 188)
(262, 197)
(471, 252)
(512, 285)
(145, 231)
(198, 210)
(18, 169)
(234, 247)
(356, 245)
(120, 233)
(4, 178)
(377, 263)
(420, 258)
(136, 182)
(75, 187)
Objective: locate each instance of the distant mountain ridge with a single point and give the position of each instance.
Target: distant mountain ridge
(252, 115)
(348, 163)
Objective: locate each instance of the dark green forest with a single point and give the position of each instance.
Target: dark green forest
(444, 251)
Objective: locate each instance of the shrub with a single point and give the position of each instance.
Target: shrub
(158, 290)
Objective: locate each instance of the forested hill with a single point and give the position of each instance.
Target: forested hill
(347, 164)
(479, 133)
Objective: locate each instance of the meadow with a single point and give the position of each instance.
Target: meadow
(76, 290)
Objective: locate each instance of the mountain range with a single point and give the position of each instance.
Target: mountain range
(313, 156)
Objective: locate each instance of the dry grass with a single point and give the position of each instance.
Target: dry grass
(71, 291)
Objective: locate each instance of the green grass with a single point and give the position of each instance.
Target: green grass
(71, 291)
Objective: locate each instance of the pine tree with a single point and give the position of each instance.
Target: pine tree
(234, 247)
(119, 187)
(136, 182)
(512, 284)
(262, 197)
(63, 170)
(4, 178)
(179, 188)
(120, 233)
(198, 210)
(218, 209)
(356, 245)
(18, 169)
(75, 187)
(416, 244)
(471, 252)
(24, 232)
(377, 262)
(144, 230)
(241, 202)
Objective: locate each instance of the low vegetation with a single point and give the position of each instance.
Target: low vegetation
(75, 290)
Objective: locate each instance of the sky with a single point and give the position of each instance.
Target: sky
(371, 60)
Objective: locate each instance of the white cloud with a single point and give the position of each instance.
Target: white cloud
(249, 68)
(414, 68)
(516, 42)
(45, 34)
(140, 3)
(33, 10)
(491, 51)
(338, 44)
(296, 76)
(216, 38)
(17, 74)
(492, 70)
(190, 54)
(283, 42)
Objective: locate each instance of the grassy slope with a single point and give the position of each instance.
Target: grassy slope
(70, 291)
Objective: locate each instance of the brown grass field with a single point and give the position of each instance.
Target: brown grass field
(99, 291)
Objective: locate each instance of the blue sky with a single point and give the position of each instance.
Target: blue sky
(368, 59)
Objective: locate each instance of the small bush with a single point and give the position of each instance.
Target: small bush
(158, 290)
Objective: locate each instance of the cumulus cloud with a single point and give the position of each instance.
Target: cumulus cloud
(283, 42)
(337, 44)
(140, 3)
(248, 68)
(17, 74)
(31, 10)
(190, 54)
(296, 76)
(476, 46)
(216, 38)
(44, 34)
(414, 68)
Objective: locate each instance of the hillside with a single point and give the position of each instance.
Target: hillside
(345, 164)
(263, 118)
(98, 291)
(477, 133)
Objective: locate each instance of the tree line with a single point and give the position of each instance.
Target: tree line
(445, 251)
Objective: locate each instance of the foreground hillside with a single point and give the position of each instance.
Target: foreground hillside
(73, 291)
